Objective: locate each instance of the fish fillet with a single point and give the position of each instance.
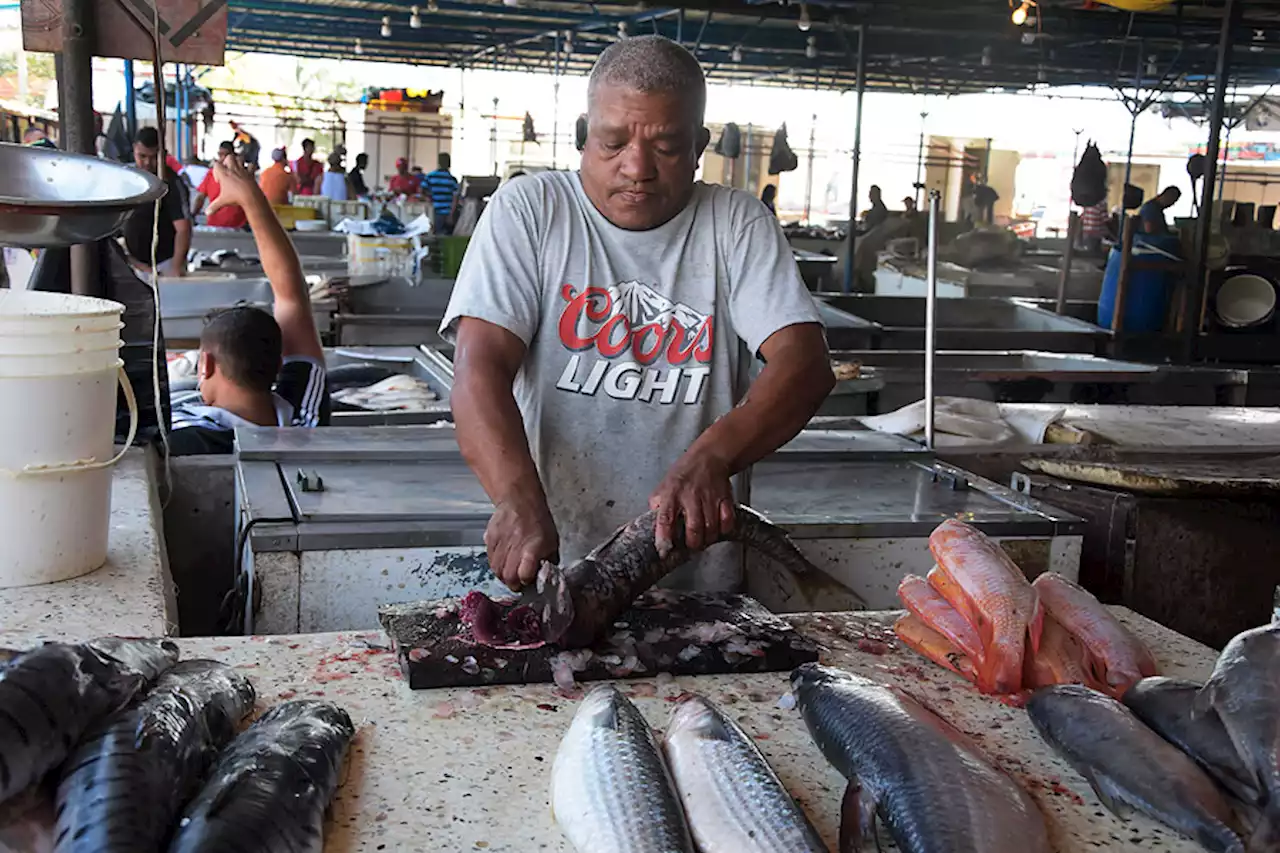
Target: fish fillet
(998, 595)
(937, 648)
(1118, 658)
(918, 596)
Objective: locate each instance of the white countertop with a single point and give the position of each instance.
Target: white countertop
(131, 595)
(468, 769)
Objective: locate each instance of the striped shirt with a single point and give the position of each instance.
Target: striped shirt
(301, 399)
(442, 186)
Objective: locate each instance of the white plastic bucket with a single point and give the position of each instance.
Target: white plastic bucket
(1245, 300)
(59, 366)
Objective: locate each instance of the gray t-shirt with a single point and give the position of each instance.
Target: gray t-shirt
(636, 339)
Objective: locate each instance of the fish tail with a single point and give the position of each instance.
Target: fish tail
(753, 529)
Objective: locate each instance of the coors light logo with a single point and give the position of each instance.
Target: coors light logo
(646, 347)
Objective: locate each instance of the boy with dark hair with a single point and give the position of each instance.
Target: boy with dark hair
(255, 367)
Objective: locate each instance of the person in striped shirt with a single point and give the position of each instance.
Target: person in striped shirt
(254, 368)
(442, 188)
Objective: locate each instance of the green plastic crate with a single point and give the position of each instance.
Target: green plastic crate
(452, 250)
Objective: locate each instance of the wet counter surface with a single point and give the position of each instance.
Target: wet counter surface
(468, 769)
(131, 595)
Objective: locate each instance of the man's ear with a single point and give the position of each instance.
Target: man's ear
(704, 139)
(206, 365)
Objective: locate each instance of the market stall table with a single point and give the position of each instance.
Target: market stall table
(468, 769)
(131, 595)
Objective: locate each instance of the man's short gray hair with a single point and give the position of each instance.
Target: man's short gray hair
(651, 63)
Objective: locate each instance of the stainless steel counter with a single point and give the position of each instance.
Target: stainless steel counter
(401, 517)
(422, 363)
(185, 304)
(968, 324)
(327, 244)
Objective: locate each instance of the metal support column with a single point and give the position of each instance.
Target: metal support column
(76, 114)
(808, 181)
(931, 321)
(130, 102)
(1134, 109)
(555, 108)
(1193, 295)
(857, 158)
(178, 110)
(919, 185)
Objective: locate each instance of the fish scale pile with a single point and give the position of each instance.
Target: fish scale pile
(114, 746)
(978, 616)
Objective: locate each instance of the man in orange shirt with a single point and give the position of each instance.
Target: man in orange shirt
(277, 181)
(227, 216)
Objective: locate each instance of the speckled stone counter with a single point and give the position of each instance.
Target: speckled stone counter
(131, 595)
(468, 769)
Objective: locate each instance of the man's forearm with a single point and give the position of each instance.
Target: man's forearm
(181, 248)
(280, 262)
(491, 436)
(779, 403)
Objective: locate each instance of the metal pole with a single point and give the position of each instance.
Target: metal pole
(808, 181)
(493, 136)
(930, 321)
(178, 110)
(857, 157)
(555, 109)
(1068, 253)
(920, 161)
(76, 113)
(1133, 117)
(130, 101)
(1193, 295)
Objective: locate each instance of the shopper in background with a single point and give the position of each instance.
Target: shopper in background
(173, 233)
(225, 216)
(334, 185)
(878, 213)
(403, 182)
(441, 188)
(277, 180)
(308, 171)
(355, 178)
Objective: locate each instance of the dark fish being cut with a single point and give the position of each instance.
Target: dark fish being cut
(124, 785)
(270, 787)
(50, 696)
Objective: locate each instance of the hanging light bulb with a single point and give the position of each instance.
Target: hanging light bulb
(433, 6)
(805, 22)
(1153, 70)
(415, 20)
(1019, 16)
(359, 48)
(736, 55)
(1041, 77)
(811, 47)
(622, 29)
(386, 27)
(512, 3)
(986, 57)
(568, 41)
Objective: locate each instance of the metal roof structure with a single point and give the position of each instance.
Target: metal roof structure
(939, 46)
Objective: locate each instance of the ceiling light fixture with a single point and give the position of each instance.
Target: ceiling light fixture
(433, 6)
(1019, 16)
(415, 20)
(805, 22)
(986, 57)
(359, 48)
(736, 55)
(386, 27)
(811, 47)
(568, 41)
(1153, 70)
(622, 29)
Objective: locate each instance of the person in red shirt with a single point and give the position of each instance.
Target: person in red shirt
(308, 170)
(227, 216)
(404, 182)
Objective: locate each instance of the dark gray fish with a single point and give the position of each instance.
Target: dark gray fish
(931, 785)
(50, 697)
(270, 787)
(1244, 691)
(578, 603)
(1167, 705)
(1131, 767)
(124, 785)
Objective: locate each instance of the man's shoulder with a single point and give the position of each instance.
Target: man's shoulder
(541, 194)
(739, 206)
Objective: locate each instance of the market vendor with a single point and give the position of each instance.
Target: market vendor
(166, 238)
(255, 367)
(1151, 214)
(226, 215)
(604, 322)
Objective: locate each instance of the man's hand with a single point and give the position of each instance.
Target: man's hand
(521, 534)
(237, 185)
(696, 488)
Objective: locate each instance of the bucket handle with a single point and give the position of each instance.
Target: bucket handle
(89, 465)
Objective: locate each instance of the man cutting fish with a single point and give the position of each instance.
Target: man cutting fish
(604, 324)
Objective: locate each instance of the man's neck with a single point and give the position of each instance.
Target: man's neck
(256, 408)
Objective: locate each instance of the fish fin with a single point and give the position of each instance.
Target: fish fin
(857, 815)
(1036, 627)
(1112, 795)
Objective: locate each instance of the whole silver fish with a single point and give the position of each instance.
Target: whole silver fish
(1131, 767)
(610, 791)
(1244, 691)
(50, 696)
(124, 785)
(733, 800)
(1167, 706)
(578, 603)
(934, 789)
(270, 787)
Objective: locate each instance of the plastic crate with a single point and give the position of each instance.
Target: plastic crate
(289, 214)
(452, 251)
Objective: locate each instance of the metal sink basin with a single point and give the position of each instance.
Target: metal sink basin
(50, 198)
(970, 324)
